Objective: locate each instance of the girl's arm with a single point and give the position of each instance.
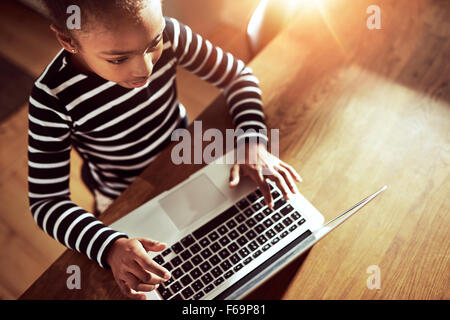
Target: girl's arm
(223, 70)
(49, 146)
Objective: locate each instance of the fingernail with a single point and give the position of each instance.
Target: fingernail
(167, 275)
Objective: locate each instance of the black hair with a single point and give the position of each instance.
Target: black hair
(100, 10)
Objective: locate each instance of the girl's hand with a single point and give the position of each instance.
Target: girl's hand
(132, 267)
(261, 164)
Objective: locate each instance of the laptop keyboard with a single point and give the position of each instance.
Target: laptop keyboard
(203, 259)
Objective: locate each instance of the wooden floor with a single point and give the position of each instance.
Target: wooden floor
(26, 40)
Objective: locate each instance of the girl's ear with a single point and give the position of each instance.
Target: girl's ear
(66, 41)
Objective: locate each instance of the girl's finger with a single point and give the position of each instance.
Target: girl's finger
(144, 276)
(278, 179)
(291, 171)
(288, 179)
(130, 284)
(258, 177)
(143, 259)
(152, 245)
(234, 175)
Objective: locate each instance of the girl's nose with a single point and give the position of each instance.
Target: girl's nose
(144, 67)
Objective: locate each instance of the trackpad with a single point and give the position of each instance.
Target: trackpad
(192, 201)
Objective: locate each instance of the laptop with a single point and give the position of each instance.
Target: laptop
(224, 242)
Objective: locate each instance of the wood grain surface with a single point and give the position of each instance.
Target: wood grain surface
(357, 109)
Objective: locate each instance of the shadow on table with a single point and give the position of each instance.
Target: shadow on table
(275, 287)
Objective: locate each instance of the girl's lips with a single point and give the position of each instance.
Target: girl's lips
(138, 84)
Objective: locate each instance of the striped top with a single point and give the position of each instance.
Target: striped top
(118, 131)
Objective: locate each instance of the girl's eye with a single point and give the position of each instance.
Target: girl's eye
(117, 61)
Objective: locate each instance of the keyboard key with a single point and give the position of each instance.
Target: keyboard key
(244, 252)
(224, 253)
(250, 222)
(275, 240)
(268, 222)
(175, 287)
(165, 293)
(258, 193)
(251, 234)
(206, 253)
(176, 297)
(207, 278)
(218, 281)
(215, 247)
(256, 253)
(199, 295)
(279, 227)
(195, 248)
(225, 265)
(242, 228)
(228, 274)
(248, 260)
(168, 266)
(158, 259)
(256, 206)
(276, 217)
(235, 258)
(177, 247)
(187, 266)
(267, 211)
(261, 239)
(208, 288)
(302, 221)
(279, 203)
(187, 241)
(242, 241)
(233, 247)
(267, 246)
(286, 210)
(197, 259)
(222, 230)
(231, 224)
(259, 216)
(186, 254)
(166, 252)
(284, 234)
(195, 273)
(186, 280)
(176, 261)
(197, 285)
(205, 266)
(292, 228)
(205, 242)
(240, 218)
(187, 293)
(214, 260)
(169, 281)
(213, 236)
(295, 215)
(224, 241)
(177, 273)
(233, 234)
(260, 228)
(238, 267)
(248, 212)
(214, 223)
(270, 233)
(242, 204)
(275, 194)
(216, 271)
(252, 197)
(287, 221)
(253, 246)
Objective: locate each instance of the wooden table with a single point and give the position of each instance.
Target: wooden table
(357, 109)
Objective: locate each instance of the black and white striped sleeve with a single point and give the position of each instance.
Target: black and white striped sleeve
(49, 145)
(222, 69)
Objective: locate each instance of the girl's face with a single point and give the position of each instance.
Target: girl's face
(127, 52)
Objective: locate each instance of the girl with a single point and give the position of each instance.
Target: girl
(110, 93)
